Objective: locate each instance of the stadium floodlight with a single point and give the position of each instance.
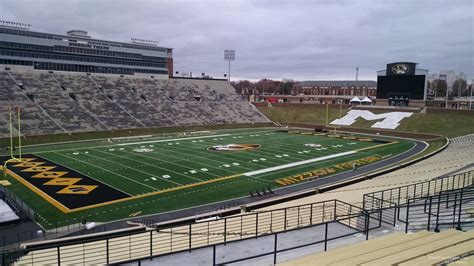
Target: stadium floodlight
(229, 55)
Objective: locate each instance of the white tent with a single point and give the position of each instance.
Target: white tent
(366, 100)
(355, 100)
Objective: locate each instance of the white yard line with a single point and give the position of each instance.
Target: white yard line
(106, 170)
(154, 166)
(134, 169)
(284, 166)
(177, 139)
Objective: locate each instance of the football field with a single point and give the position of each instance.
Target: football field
(119, 178)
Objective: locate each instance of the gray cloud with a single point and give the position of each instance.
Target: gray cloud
(274, 39)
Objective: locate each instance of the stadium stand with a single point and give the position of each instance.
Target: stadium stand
(64, 103)
(421, 248)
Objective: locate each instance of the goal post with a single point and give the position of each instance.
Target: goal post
(12, 158)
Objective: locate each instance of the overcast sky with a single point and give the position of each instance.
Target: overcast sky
(302, 40)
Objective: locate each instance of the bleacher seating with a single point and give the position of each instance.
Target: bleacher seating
(421, 248)
(64, 103)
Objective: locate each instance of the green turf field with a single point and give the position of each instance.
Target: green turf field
(121, 178)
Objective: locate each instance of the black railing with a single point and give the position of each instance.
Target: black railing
(169, 240)
(401, 195)
(437, 203)
(445, 210)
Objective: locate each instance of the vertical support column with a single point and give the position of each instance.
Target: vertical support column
(58, 250)
(275, 249)
(190, 237)
(406, 217)
(256, 225)
(367, 225)
(326, 236)
(225, 231)
(213, 255)
(437, 214)
(458, 227)
(454, 208)
(151, 245)
(107, 253)
(429, 214)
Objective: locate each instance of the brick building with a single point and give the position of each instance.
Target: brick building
(338, 88)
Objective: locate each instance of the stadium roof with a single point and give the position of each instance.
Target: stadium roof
(337, 83)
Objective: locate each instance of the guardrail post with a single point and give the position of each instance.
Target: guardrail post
(454, 208)
(225, 231)
(367, 221)
(107, 257)
(256, 225)
(284, 220)
(381, 210)
(213, 255)
(437, 213)
(189, 232)
(429, 214)
(311, 215)
(151, 245)
(458, 227)
(59, 255)
(275, 247)
(408, 211)
(326, 236)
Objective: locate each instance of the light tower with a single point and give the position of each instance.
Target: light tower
(229, 55)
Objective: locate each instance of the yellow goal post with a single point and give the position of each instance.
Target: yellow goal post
(13, 111)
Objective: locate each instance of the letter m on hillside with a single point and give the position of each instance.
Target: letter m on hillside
(389, 120)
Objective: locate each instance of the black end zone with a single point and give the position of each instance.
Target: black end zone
(65, 186)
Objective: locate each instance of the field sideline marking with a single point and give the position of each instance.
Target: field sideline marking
(284, 166)
(357, 150)
(199, 137)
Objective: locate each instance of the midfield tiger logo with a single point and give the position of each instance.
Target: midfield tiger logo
(235, 147)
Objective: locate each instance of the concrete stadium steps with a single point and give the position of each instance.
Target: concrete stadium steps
(441, 255)
(397, 248)
(465, 261)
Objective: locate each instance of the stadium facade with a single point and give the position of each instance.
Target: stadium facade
(78, 52)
